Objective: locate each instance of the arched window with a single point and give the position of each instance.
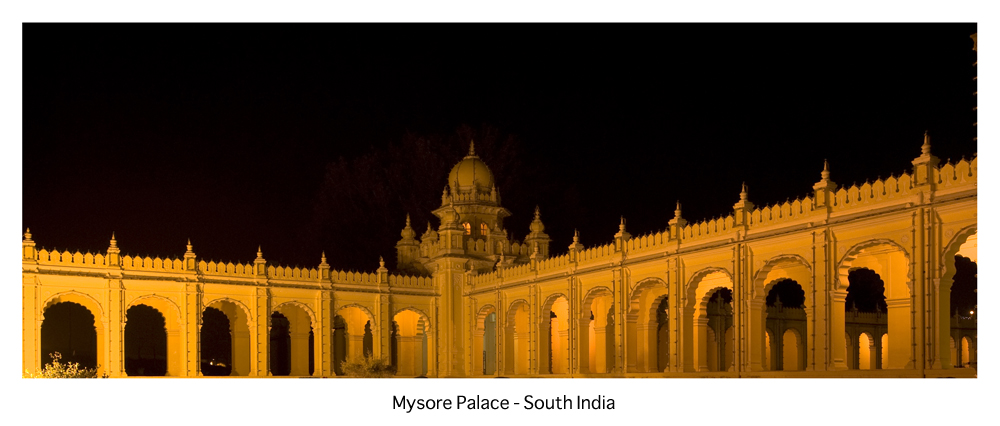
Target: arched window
(468, 228)
(483, 229)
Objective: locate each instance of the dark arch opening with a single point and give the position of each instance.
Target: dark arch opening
(964, 312)
(489, 343)
(720, 320)
(368, 341)
(789, 292)
(662, 334)
(786, 310)
(964, 298)
(145, 342)
(865, 291)
(216, 344)
(281, 345)
(867, 314)
(68, 328)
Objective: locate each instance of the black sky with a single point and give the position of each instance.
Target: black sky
(221, 133)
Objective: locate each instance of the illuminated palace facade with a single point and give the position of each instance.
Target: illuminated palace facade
(690, 301)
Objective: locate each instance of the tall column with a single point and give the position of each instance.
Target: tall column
(260, 336)
(838, 347)
(758, 331)
(299, 339)
(191, 316)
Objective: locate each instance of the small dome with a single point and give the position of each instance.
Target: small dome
(471, 171)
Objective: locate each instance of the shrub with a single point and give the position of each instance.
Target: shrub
(368, 367)
(61, 370)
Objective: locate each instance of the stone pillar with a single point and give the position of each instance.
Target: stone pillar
(633, 346)
(191, 316)
(582, 365)
(260, 335)
(701, 342)
(299, 339)
(240, 351)
(838, 348)
(757, 332)
(900, 345)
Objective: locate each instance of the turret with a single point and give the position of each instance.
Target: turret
(407, 249)
(537, 239)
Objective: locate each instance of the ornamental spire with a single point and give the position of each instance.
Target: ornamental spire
(472, 148)
(925, 149)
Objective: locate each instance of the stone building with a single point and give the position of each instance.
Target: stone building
(689, 301)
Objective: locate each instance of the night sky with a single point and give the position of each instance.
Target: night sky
(222, 133)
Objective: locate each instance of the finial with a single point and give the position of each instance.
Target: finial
(743, 193)
(114, 242)
(428, 226)
(576, 236)
(677, 213)
(189, 246)
(407, 219)
(259, 253)
(538, 213)
(322, 257)
(381, 263)
(925, 149)
(27, 233)
(825, 174)
(621, 226)
(472, 148)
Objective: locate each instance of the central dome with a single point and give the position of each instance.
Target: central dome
(471, 171)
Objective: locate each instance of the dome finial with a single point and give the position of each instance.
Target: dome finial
(472, 148)
(27, 233)
(538, 213)
(677, 213)
(576, 236)
(825, 174)
(925, 149)
(743, 193)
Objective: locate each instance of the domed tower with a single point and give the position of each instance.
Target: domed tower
(471, 214)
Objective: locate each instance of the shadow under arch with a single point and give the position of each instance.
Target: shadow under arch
(779, 268)
(291, 344)
(698, 291)
(484, 341)
(172, 326)
(553, 331)
(100, 327)
(354, 332)
(949, 327)
(240, 326)
(516, 334)
(647, 328)
(893, 264)
(596, 335)
(409, 351)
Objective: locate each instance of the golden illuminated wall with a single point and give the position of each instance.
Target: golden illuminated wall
(637, 306)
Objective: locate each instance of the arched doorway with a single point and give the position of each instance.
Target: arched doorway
(410, 341)
(352, 336)
(554, 332)
(865, 317)
(68, 328)
(719, 312)
(785, 310)
(484, 351)
(238, 336)
(516, 333)
(646, 327)
(145, 342)
(291, 340)
(888, 268)
(597, 335)
(216, 344)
